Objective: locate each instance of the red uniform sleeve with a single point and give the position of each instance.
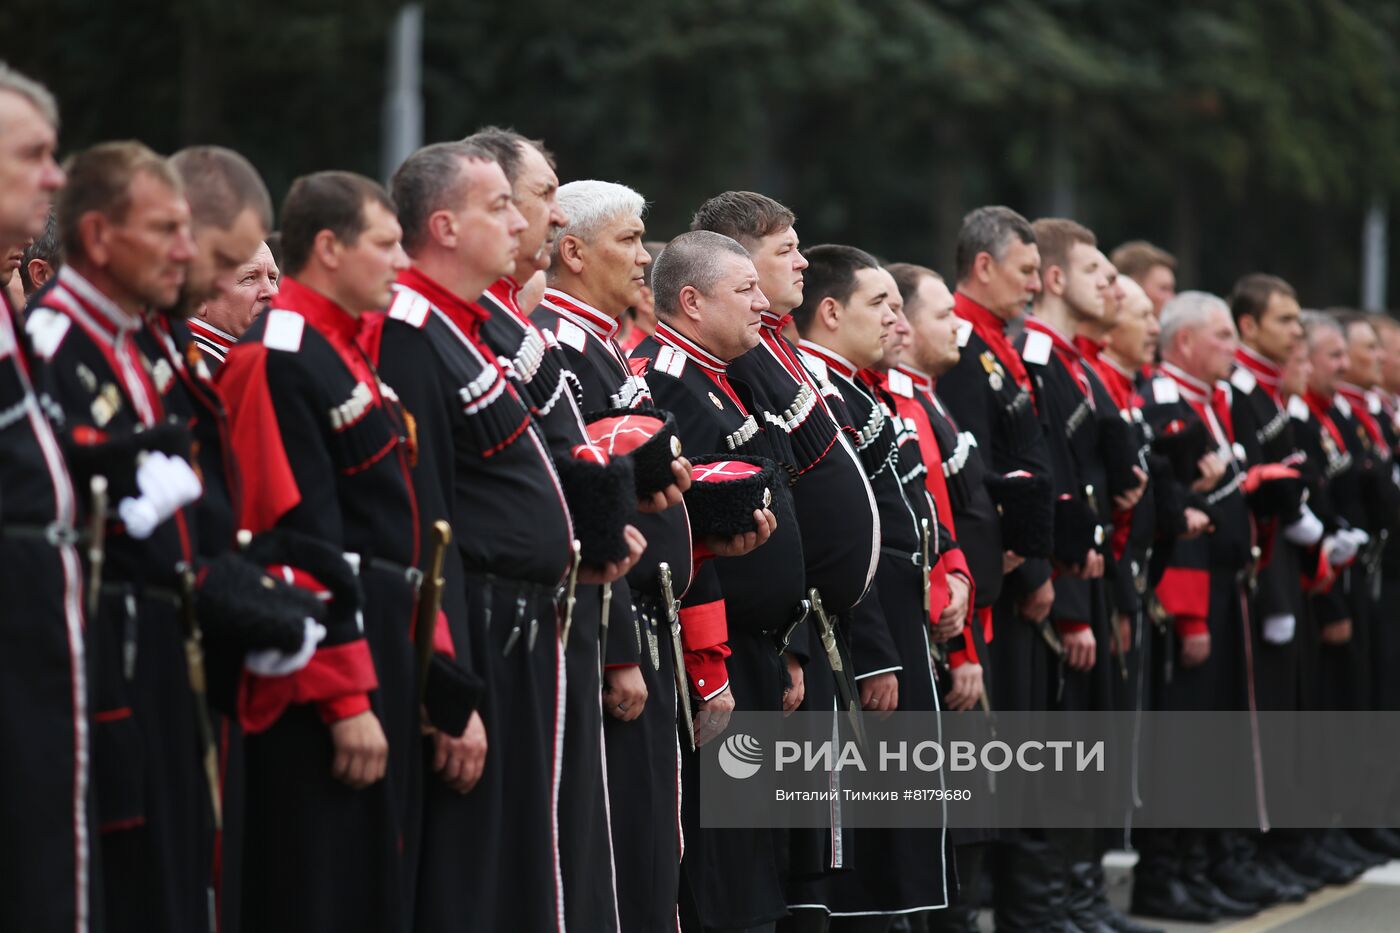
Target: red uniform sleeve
(277, 438)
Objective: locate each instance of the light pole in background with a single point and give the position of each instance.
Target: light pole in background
(403, 92)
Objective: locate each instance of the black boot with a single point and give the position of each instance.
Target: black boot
(1167, 898)
(1109, 915)
(1081, 901)
(1312, 858)
(1204, 890)
(1382, 841)
(1273, 863)
(1240, 882)
(1029, 890)
(1340, 843)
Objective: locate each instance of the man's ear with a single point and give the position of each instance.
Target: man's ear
(442, 227)
(688, 301)
(982, 267)
(570, 253)
(326, 249)
(1052, 280)
(94, 231)
(829, 313)
(1248, 327)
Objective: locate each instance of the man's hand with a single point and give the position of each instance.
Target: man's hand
(792, 696)
(672, 494)
(1212, 467)
(1195, 649)
(1010, 560)
(458, 761)
(1126, 500)
(954, 615)
(765, 523)
(1197, 524)
(712, 716)
(1080, 649)
(1035, 606)
(361, 750)
(966, 689)
(1336, 633)
(880, 693)
(1091, 568)
(616, 569)
(624, 692)
(1124, 642)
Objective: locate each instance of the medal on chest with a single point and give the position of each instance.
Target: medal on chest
(995, 374)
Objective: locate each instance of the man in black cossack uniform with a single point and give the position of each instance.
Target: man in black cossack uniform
(990, 394)
(334, 781)
(481, 463)
(738, 610)
(603, 504)
(830, 489)
(46, 858)
(597, 272)
(844, 319)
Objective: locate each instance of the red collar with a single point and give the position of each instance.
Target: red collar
(1067, 352)
(992, 330)
(1088, 347)
(93, 309)
(668, 336)
(832, 360)
(775, 322)
(1192, 389)
(506, 291)
(1360, 401)
(1265, 371)
(1118, 381)
(1322, 411)
(336, 324)
(923, 382)
(1063, 348)
(581, 313)
(210, 337)
(462, 312)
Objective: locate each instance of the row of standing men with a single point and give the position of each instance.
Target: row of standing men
(253, 712)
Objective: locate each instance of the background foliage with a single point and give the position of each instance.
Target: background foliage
(1240, 134)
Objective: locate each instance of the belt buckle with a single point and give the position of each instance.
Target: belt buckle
(59, 535)
(414, 576)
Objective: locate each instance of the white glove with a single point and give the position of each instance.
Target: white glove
(166, 483)
(1306, 531)
(1278, 629)
(1343, 546)
(274, 663)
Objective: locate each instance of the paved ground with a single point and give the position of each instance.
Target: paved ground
(1371, 904)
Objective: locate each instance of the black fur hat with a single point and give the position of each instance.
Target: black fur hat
(1183, 443)
(1167, 500)
(1118, 446)
(1279, 497)
(91, 452)
(243, 609)
(602, 500)
(321, 560)
(1026, 505)
(647, 436)
(1077, 530)
(725, 492)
